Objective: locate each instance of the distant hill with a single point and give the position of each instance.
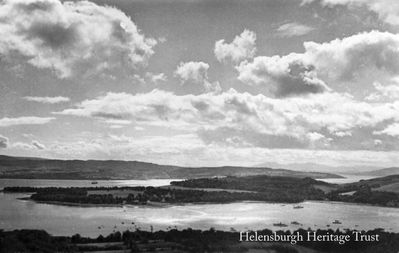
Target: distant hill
(320, 167)
(23, 167)
(386, 183)
(383, 172)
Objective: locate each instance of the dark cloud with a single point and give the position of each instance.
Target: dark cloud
(55, 36)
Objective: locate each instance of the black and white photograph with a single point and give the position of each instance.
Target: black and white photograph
(199, 126)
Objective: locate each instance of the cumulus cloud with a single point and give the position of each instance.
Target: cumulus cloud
(340, 60)
(345, 59)
(293, 29)
(192, 71)
(197, 73)
(391, 130)
(3, 141)
(47, 100)
(71, 37)
(241, 48)
(28, 120)
(387, 10)
(282, 76)
(327, 120)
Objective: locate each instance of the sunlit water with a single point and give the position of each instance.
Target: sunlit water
(92, 221)
(346, 179)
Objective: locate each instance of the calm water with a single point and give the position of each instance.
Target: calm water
(347, 179)
(82, 183)
(92, 221)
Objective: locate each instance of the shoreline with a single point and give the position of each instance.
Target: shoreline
(164, 204)
(61, 203)
(330, 176)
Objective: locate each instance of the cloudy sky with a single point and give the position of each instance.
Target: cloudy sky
(201, 82)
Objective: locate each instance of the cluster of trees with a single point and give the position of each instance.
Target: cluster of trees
(166, 195)
(169, 195)
(33, 241)
(253, 188)
(298, 188)
(189, 240)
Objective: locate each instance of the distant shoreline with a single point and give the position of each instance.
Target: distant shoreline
(150, 204)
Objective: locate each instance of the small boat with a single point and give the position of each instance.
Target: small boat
(298, 207)
(295, 223)
(94, 182)
(279, 224)
(336, 222)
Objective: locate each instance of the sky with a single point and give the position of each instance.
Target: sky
(201, 82)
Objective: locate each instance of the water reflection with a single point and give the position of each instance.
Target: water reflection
(92, 221)
(66, 220)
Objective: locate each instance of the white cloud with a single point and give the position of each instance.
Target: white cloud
(156, 78)
(347, 58)
(327, 120)
(343, 133)
(118, 122)
(340, 60)
(241, 48)
(192, 71)
(293, 29)
(71, 37)
(197, 73)
(282, 76)
(47, 100)
(390, 91)
(22, 145)
(392, 130)
(3, 141)
(387, 10)
(28, 120)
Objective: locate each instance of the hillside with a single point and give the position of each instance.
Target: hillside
(386, 184)
(21, 167)
(374, 183)
(320, 167)
(381, 191)
(384, 172)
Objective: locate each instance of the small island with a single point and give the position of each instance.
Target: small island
(220, 190)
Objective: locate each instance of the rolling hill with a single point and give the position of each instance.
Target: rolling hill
(38, 168)
(384, 172)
